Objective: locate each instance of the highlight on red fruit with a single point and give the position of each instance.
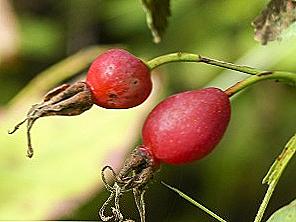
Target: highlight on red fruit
(118, 79)
(187, 126)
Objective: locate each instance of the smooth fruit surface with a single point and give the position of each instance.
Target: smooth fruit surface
(187, 126)
(118, 79)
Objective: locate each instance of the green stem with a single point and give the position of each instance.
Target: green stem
(275, 173)
(276, 75)
(257, 74)
(265, 202)
(189, 57)
(195, 203)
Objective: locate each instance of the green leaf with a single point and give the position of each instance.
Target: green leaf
(157, 13)
(285, 214)
(274, 19)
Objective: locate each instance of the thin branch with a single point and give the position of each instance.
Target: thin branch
(195, 203)
(257, 74)
(274, 174)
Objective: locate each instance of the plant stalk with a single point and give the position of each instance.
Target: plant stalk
(189, 57)
(257, 74)
(278, 76)
(274, 174)
(195, 203)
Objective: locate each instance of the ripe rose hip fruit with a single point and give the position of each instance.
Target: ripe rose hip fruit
(118, 79)
(183, 128)
(187, 126)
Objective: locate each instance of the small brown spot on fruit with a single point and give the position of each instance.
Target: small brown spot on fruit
(113, 95)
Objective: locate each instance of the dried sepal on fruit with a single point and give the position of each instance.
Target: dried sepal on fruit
(136, 173)
(115, 80)
(65, 100)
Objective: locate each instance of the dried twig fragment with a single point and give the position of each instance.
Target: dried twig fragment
(276, 17)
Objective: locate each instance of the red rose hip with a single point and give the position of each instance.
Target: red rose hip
(183, 128)
(118, 79)
(186, 126)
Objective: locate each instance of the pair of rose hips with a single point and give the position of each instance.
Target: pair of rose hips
(182, 128)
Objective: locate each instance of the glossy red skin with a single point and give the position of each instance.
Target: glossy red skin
(186, 126)
(119, 80)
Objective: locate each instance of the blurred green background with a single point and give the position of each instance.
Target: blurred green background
(62, 181)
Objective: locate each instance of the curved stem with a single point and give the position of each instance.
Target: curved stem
(189, 57)
(276, 75)
(257, 74)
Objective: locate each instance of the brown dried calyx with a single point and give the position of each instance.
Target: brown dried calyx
(65, 100)
(134, 176)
